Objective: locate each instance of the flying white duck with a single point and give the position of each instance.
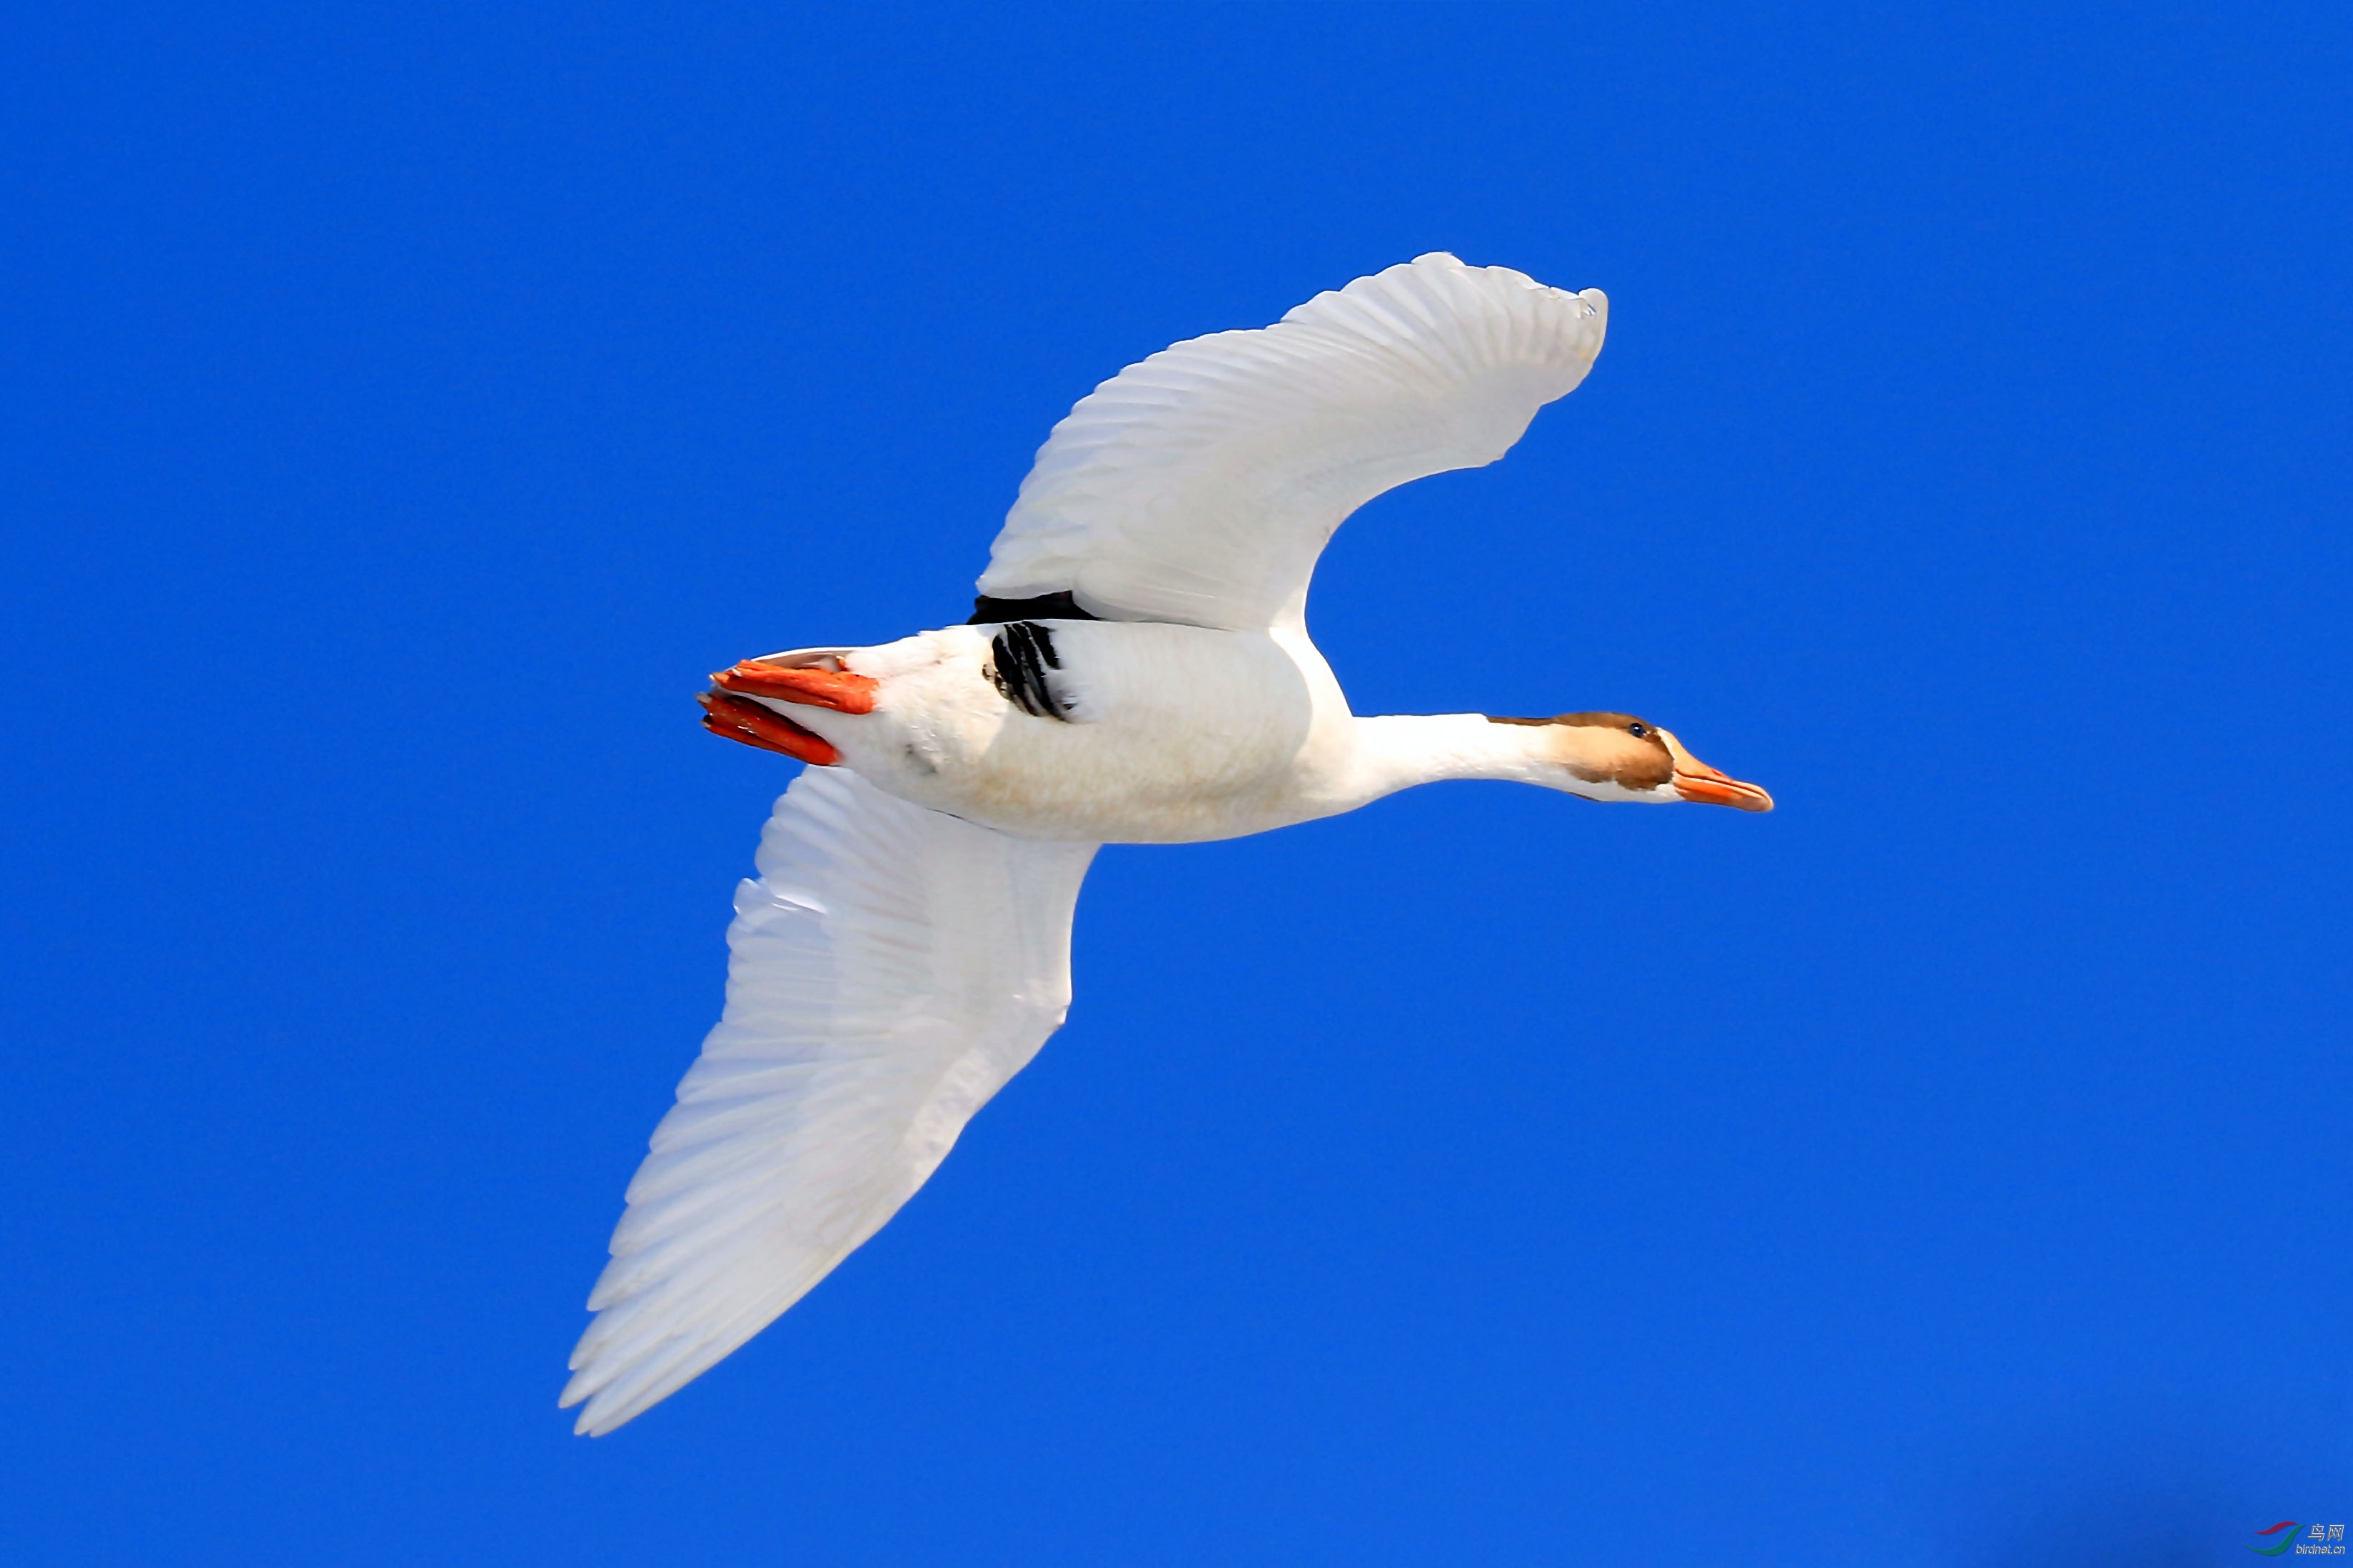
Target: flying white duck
(1137, 671)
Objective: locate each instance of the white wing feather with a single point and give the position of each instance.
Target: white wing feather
(1200, 485)
(892, 968)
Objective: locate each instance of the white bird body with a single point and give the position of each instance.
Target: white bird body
(1140, 673)
(1177, 734)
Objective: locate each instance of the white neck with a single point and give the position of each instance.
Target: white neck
(1399, 751)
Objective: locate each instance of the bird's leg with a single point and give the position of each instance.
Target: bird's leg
(838, 689)
(740, 719)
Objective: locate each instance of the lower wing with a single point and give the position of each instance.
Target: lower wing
(891, 969)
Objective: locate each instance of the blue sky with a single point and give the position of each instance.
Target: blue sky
(405, 408)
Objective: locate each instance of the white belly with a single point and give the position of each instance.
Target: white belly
(1179, 733)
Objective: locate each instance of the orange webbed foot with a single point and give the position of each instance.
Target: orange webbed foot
(741, 719)
(838, 689)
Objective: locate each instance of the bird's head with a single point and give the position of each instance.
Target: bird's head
(1615, 756)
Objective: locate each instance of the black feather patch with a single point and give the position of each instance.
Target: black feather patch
(1025, 652)
(1061, 606)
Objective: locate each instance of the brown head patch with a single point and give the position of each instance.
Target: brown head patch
(1621, 749)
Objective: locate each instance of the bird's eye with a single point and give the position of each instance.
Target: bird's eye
(1638, 730)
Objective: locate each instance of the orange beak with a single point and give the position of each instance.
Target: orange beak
(1695, 780)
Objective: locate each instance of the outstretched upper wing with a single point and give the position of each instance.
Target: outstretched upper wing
(892, 968)
(1200, 485)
